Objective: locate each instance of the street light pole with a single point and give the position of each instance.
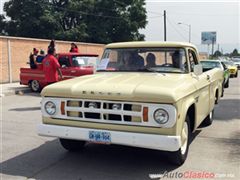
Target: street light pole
(189, 30)
(165, 26)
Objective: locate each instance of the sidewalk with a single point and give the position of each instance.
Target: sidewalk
(13, 88)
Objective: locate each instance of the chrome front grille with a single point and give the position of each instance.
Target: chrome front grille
(104, 110)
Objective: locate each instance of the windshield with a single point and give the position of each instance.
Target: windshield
(84, 61)
(228, 63)
(210, 65)
(144, 59)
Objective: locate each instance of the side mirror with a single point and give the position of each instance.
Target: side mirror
(64, 66)
(198, 69)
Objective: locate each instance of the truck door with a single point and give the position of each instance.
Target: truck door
(65, 64)
(202, 84)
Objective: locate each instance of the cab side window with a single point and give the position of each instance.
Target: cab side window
(192, 59)
(64, 61)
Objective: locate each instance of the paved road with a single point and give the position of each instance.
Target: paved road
(215, 149)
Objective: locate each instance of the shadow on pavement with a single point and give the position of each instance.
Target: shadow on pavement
(51, 161)
(30, 94)
(233, 113)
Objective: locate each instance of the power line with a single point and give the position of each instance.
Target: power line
(176, 29)
(153, 17)
(197, 14)
(152, 12)
(192, 34)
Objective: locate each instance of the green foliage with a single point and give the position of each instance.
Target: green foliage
(99, 21)
(2, 25)
(235, 53)
(217, 54)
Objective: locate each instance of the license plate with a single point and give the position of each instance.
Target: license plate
(100, 137)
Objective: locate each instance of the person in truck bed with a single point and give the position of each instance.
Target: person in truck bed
(32, 59)
(51, 67)
(40, 57)
(74, 48)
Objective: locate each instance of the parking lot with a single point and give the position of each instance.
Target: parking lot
(215, 149)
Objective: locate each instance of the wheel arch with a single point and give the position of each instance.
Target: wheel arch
(191, 113)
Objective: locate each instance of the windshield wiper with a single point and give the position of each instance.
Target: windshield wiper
(147, 70)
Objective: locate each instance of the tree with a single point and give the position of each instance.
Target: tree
(217, 54)
(87, 20)
(2, 25)
(235, 53)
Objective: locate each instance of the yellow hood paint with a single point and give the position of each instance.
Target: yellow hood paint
(138, 87)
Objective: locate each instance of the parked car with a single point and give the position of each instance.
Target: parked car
(232, 68)
(145, 94)
(211, 64)
(236, 61)
(72, 65)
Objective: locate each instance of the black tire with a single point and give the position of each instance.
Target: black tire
(72, 145)
(35, 86)
(179, 157)
(216, 98)
(236, 75)
(222, 91)
(209, 119)
(227, 84)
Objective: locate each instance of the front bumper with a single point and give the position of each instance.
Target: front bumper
(149, 141)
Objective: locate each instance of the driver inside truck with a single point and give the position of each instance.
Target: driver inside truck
(177, 60)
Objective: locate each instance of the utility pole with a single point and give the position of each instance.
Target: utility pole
(212, 46)
(165, 26)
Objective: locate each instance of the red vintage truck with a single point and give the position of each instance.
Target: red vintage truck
(72, 65)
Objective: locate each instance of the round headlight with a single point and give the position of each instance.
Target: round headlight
(92, 105)
(116, 107)
(50, 108)
(161, 116)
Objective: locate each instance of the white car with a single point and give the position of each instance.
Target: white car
(236, 61)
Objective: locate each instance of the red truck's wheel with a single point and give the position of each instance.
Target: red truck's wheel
(35, 86)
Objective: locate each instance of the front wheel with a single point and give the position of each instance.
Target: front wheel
(179, 157)
(227, 84)
(236, 75)
(72, 145)
(35, 86)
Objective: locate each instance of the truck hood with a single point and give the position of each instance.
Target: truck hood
(138, 87)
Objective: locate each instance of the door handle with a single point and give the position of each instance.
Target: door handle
(73, 71)
(208, 77)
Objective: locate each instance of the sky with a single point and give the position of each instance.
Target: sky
(222, 16)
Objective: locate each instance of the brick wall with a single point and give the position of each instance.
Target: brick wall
(14, 51)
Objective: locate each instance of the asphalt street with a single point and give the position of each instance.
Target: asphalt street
(25, 155)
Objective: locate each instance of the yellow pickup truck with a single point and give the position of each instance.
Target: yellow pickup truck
(144, 94)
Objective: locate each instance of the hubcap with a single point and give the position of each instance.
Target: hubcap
(35, 85)
(184, 138)
(210, 115)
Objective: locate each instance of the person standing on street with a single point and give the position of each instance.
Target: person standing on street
(51, 67)
(52, 45)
